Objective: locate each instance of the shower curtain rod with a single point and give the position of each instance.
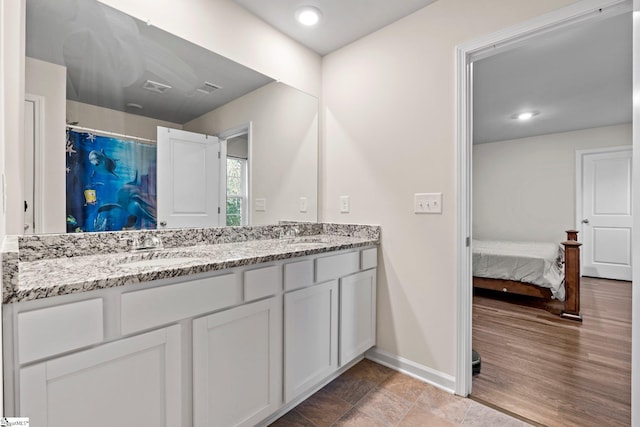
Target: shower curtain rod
(104, 132)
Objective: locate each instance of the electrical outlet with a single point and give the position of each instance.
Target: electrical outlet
(427, 203)
(344, 204)
(304, 205)
(260, 205)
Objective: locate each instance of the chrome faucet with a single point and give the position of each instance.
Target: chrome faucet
(289, 233)
(149, 242)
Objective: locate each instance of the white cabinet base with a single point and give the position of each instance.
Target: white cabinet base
(229, 348)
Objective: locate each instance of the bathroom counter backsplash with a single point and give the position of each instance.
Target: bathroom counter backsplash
(49, 265)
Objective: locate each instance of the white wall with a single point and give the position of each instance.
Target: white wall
(50, 82)
(283, 158)
(12, 101)
(388, 131)
(226, 28)
(12, 13)
(525, 189)
(100, 118)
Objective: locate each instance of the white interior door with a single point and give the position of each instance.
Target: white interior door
(607, 214)
(189, 180)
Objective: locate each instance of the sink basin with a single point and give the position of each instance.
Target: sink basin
(158, 262)
(307, 240)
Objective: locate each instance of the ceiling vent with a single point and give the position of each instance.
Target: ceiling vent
(208, 88)
(155, 86)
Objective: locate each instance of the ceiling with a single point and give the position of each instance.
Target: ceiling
(342, 22)
(110, 55)
(576, 78)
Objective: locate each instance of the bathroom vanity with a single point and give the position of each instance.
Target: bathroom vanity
(233, 329)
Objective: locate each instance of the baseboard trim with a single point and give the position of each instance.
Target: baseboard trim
(436, 378)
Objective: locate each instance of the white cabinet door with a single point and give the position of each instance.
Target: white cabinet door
(237, 365)
(357, 314)
(311, 336)
(131, 382)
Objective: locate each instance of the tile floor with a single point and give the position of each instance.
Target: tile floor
(372, 395)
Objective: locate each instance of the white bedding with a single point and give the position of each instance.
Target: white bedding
(529, 262)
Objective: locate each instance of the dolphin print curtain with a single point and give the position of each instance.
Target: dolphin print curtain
(111, 183)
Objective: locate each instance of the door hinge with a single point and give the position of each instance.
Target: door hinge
(218, 154)
(218, 209)
(468, 241)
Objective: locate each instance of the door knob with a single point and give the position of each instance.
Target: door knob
(585, 221)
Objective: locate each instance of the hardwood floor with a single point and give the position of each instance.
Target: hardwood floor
(553, 371)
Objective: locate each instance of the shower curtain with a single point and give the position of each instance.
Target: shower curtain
(111, 183)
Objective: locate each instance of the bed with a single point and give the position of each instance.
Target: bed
(543, 270)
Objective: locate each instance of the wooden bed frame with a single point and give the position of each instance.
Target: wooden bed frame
(571, 309)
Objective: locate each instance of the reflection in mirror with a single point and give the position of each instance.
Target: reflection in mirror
(105, 73)
(237, 147)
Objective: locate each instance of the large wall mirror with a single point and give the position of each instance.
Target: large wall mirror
(95, 71)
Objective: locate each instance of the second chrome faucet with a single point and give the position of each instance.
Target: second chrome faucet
(149, 242)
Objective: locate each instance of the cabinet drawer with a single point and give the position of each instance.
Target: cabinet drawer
(153, 307)
(54, 330)
(369, 258)
(262, 282)
(335, 266)
(298, 275)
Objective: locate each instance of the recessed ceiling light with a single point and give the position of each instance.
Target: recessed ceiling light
(308, 15)
(525, 115)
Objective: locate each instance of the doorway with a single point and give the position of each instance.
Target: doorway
(466, 55)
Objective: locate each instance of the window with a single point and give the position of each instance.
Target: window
(236, 191)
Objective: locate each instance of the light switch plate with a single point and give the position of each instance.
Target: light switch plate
(304, 205)
(344, 204)
(260, 205)
(427, 203)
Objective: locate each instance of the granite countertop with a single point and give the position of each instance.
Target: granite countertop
(65, 275)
